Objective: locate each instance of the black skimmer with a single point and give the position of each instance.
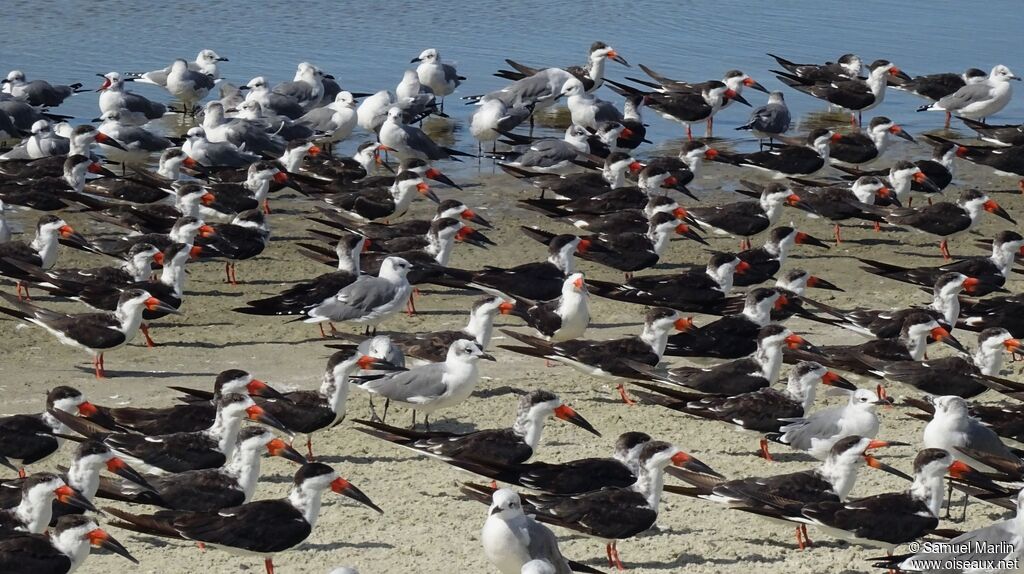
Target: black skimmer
(746, 218)
(233, 197)
(451, 208)
(309, 411)
(730, 337)
(687, 163)
(189, 200)
(607, 358)
(505, 447)
(935, 174)
(839, 203)
(433, 386)
(651, 181)
(52, 193)
(33, 438)
(910, 345)
(244, 238)
(764, 262)
(169, 288)
(137, 266)
(306, 295)
(61, 551)
(41, 252)
(859, 148)
(955, 375)
(1003, 312)
(855, 94)
(816, 433)
(539, 281)
(1005, 135)
(691, 291)
(989, 545)
(978, 100)
(888, 520)
(735, 377)
(991, 271)
(83, 476)
(33, 511)
(209, 489)
(198, 411)
(432, 346)
(770, 120)
(572, 477)
(261, 528)
(735, 80)
(368, 300)
(441, 233)
(781, 497)
(629, 251)
(625, 220)
(788, 160)
(382, 203)
(178, 452)
(611, 514)
(946, 219)
(96, 333)
(185, 230)
(847, 67)
(1004, 160)
(762, 410)
(887, 323)
(561, 319)
(687, 107)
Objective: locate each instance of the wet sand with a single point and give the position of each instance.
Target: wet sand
(427, 525)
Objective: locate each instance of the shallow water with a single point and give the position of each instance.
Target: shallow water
(367, 45)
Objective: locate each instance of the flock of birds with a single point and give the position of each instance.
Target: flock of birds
(208, 200)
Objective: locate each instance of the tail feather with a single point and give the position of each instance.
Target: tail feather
(159, 524)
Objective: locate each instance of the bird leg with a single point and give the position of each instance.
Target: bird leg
(944, 248)
(309, 448)
(628, 276)
(745, 244)
(689, 134)
(97, 363)
(426, 421)
(625, 396)
(763, 451)
(387, 403)
(22, 288)
(837, 233)
(269, 565)
(608, 552)
(878, 227)
(949, 498)
(807, 539)
(21, 473)
(615, 557)
(799, 539)
(145, 332)
(949, 117)
(710, 126)
(266, 206)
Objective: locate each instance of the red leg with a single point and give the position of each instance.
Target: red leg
(410, 305)
(807, 539)
(266, 206)
(615, 556)
(322, 333)
(201, 546)
(145, 332)
(878, 227)
(21, 473)
(227, 272)
(689, 134)
(838, 235)
(309, 448)
(764, 450)
(22, 291)
(608, 552)
(944, 248)
(949, 117)
(234, 275)
(625, 396)
(269, 564)
(710, 126)
(799, 539)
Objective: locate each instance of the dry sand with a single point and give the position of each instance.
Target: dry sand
(427, 525)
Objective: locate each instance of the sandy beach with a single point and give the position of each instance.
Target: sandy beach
(427, 525)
